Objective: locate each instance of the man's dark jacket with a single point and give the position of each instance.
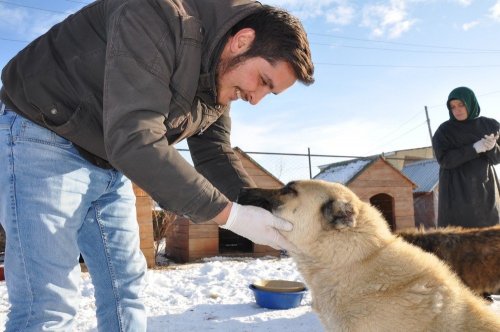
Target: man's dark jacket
(125, 80)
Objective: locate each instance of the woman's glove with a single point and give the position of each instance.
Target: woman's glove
(480, 146)
(258, 225)
(486, 143)
(490, 141)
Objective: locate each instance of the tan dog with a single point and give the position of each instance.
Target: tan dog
(472, 253)
(361, 276)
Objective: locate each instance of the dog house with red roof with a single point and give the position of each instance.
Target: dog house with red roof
(378, 182)
(188, 241)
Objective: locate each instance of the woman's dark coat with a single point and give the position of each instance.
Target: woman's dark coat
(468, 185)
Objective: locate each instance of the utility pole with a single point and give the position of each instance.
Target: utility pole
(429, 127)
(309, 157)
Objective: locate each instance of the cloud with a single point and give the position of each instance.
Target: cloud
(470, 25)
(307, 9)
(464, 3)
(495, 11)
(26, 24)
(342, 15)
(9, 17)
(387, 20)
(333, 11)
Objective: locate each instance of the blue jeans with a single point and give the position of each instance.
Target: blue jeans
(55, 205)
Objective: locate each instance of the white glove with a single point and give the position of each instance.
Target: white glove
(480, 145)
(490, 141)
(258, 225)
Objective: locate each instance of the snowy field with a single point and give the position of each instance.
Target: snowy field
(208, 296)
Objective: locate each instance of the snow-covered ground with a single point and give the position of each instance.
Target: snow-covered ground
(208, 296)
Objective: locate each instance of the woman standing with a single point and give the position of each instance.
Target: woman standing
(466, 148)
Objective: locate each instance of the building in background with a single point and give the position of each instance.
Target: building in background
(424, 173)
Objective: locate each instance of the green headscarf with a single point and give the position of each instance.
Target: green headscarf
(467, 97)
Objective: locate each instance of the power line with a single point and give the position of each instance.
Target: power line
(418, 113)
(403, 134)
(31, 7)
(400, 126)
(478, 96)
(352, 65)
(14, 40)
(464, 50)
(85, 3)
(403, 44)
(404, 66)
(407, 50)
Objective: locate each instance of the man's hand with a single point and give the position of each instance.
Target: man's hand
(258, 225)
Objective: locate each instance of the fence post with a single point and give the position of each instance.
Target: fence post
(309, 157)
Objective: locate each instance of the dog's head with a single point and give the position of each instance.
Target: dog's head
(314, 207)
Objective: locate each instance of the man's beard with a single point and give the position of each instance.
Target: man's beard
(225, 66)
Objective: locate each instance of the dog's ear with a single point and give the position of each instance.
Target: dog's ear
(338, 214)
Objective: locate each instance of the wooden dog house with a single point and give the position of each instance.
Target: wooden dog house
(376, 181)
(420, 166)
(188, 241)
(144, 206)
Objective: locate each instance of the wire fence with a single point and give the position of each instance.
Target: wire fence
(294, 166)
(299, 166)
(289, 166)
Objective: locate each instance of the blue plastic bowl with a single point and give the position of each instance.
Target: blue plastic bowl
(277, 300)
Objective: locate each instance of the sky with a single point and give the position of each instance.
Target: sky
(378, 64)
(212, 295)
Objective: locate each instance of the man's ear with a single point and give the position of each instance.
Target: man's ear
(242, 41)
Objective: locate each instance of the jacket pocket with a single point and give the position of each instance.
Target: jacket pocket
(30, 131)
(84, 130)
(68, 128)
(52, 94)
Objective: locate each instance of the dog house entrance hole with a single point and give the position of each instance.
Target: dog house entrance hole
(230, 242)
(385, 204)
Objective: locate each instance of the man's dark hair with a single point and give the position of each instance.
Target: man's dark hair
(279, 36)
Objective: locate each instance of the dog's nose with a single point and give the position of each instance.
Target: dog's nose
(243, 195)
(254, 196)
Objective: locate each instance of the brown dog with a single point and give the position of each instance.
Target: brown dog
(361, 276)
(473, 253)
